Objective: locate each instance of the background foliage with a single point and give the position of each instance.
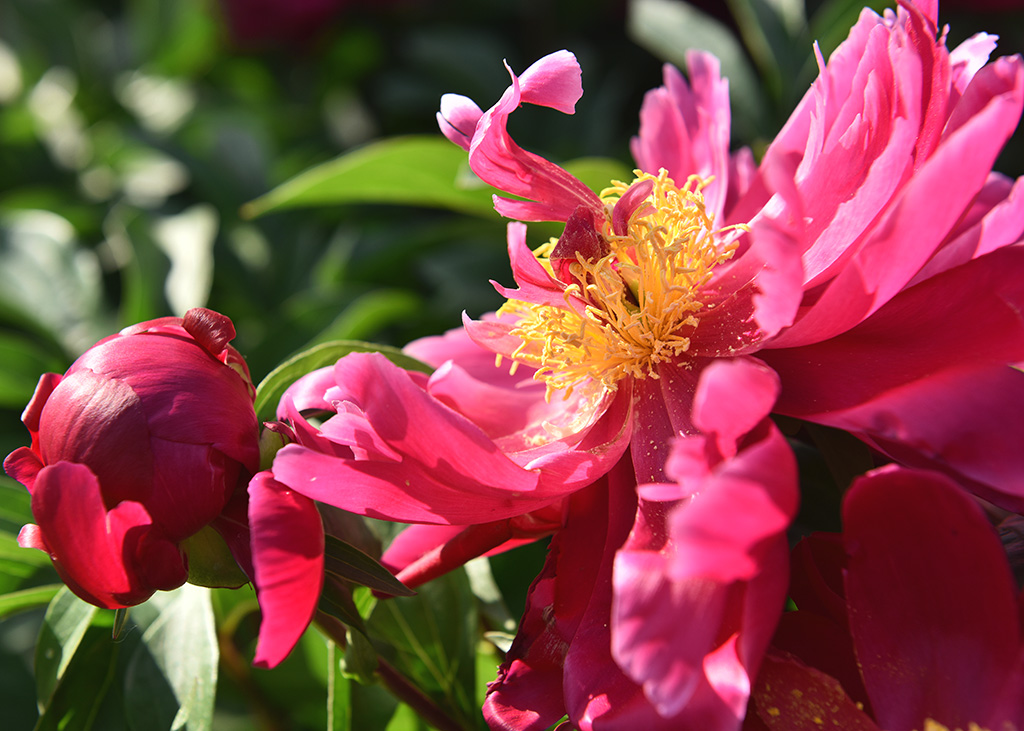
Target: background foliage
(292, 177)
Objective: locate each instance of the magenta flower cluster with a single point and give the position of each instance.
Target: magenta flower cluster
(864, 276)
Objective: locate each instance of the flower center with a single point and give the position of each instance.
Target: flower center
(631, 304)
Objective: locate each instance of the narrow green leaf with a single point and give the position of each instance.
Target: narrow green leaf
(172, 675)
(120, 622)
(19, 601)
(18, 564)
(15, 504)
(278, 380)
(348, 562)
(417, 170)
(64, 625)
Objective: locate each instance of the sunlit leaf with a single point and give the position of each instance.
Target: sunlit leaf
(277, 381)
(598, 172)
(172, 675)
(416, 170)
(75, 664)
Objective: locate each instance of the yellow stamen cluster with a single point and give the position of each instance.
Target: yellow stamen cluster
(635, 307)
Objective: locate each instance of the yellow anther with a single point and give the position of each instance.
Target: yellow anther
(634, 308)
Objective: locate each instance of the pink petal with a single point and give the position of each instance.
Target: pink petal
(97, 420)
(23, 465)
(979, 302)
(732, 396)
(33, 411)
(536, 285)
(108, 558)
(212, 330)
(458, 119)
(721, 574)
(684, 128)
(969, 57)
(920, 217)
(528, 693)
(661, 413)
(791, 696)
(423, 462)
(554, 81)
(751, 298)
(930, 405)
(288, 559)
(552, 192)
(932, 601)
(995, 220)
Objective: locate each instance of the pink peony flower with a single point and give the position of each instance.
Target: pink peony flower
(909, 620)
(137, 448)
(827, 261)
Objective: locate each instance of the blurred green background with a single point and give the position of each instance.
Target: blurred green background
(132, 133)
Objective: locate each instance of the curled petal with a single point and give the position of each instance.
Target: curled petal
(418, 460)
(458, 119)
(552, 192)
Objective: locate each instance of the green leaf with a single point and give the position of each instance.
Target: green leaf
(15, 504)
(17, 564)
(431, 639)
(360, 660)
(19, 601)
(277, 381)
(416, 170)
(172, 675)
(81, 700)
(348, 562)
(370, 313)
(485, 589)
(598, 172)
(336, 601)
(64, 625)
(24, 360)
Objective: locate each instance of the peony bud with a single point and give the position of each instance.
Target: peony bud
(137, 448)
